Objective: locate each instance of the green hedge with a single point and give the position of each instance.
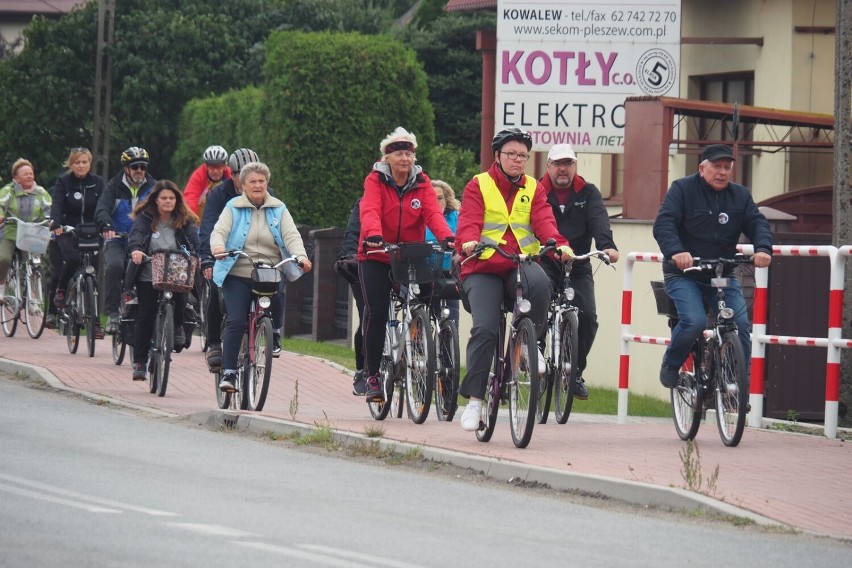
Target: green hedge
(330, 99)
(232, 120)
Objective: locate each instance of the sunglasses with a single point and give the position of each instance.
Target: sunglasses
(79, 149)
(137, 167)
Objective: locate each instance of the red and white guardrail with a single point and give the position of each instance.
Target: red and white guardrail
(833, 340)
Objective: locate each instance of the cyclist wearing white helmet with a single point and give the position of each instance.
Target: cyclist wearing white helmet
(213, 171)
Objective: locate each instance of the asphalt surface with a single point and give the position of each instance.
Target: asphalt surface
(773, 477)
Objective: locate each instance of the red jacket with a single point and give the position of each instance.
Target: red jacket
(471, 218)
(399, 217)
(198, 184)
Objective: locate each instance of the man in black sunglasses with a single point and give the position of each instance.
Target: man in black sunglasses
(115, 205)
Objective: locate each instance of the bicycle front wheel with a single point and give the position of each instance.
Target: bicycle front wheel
(36, 304)
(731, 390)
(447, 374)
(565, 373)
(379, 410)
(243, 372)
(260, 369)
(687, 403)
(490, 401)
(72, 332)
(163, 347)
(9, 313)
(420, 370)
(90, 314)
(203, 303)
(523, 384)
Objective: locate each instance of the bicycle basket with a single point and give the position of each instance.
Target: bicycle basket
(421, 257)
(665, 306)
(88, 236)
(446, 289)
(32, 237)
(173, 270)
(265, 280)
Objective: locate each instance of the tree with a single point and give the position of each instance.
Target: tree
(447, 48)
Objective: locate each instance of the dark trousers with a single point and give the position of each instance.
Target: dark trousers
(146, 315)
(213, 315)
(237, 294)
(584, 299)
(70, 260)
(486, 309)
(358, 294)
(115, 259)
(54, 258)
(376, 285)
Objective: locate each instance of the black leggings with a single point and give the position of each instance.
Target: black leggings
(376, 286)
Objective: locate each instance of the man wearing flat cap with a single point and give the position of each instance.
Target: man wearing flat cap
(580, 217)
(703, 216)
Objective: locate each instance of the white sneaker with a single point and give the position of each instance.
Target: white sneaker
(471, 416)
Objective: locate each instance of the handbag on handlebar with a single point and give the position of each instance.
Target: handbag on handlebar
(265, 280)
(88, 236)
(173, 270)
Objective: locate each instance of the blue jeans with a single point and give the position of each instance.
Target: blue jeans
(689, 297)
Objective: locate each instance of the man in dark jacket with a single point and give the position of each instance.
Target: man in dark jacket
(217, 198)
(580, 217)
(703, 215)
(346, 267)
(122, 193)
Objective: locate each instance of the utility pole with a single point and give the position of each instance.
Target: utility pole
(103, 87)
(842, 230)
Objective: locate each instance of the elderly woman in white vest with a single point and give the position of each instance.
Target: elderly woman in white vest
(259, 224)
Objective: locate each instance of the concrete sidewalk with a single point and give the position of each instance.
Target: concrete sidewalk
(792, 479)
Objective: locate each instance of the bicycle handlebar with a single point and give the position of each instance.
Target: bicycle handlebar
(16, 221)
(708, 264)
(259, 262)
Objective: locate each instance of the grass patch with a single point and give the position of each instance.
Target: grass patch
(601, 400)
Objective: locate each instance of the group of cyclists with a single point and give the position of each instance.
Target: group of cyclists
(136, 216)
(227, 205)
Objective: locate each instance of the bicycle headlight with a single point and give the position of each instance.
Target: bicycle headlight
(569, 294)
(415, 288)
(167, 295)
(264, 302)
(524, 306)
(726, 313)
(90, 269)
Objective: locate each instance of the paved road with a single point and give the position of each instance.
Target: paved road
(792, 479)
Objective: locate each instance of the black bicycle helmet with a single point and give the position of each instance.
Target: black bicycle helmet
(215, 155)
(509, 134)
(134, 155)
(240, 158)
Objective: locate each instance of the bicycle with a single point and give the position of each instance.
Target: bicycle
(407, 367)
(254, 359)
(716, 365)
(123, 336)
(447, 354)
(81, 306)
(514, 376)
(25, 285)
(172, 271)
(561, 347)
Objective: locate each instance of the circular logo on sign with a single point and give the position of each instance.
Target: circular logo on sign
(415, 204)
(78, 196)
(656, 72)
(723, 218)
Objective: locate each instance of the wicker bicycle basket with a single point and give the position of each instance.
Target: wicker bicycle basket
(421, 258)
(173, 270)
(32, 237)
(665, 306)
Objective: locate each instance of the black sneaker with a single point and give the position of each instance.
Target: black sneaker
(214, 356)
(580, 390)
(59, 299)
(139, 372)
(228, 383)
(179, 338)
(276, 344)
(374, 389)
(359, 383)
(669, 376)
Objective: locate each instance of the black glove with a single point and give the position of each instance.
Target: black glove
(449, 243)
(207, 263)
(54, 224)
(373, 241)
(347, 268)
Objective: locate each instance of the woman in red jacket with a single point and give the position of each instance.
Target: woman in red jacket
(399, 202)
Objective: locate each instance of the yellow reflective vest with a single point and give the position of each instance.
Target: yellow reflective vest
(498, 219)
